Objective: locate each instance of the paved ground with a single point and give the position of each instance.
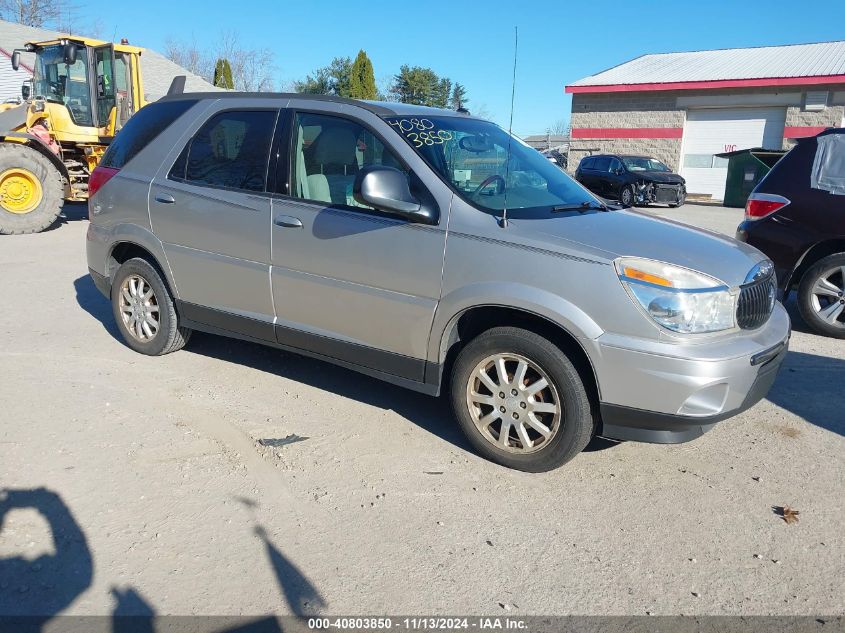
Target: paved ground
(161, 498)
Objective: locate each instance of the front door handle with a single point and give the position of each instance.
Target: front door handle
(288, 221)
(165, 198)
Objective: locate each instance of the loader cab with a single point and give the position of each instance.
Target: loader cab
(98, 83)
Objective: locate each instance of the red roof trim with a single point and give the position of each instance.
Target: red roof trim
(720, 83)
(798, 131)
(627, 132)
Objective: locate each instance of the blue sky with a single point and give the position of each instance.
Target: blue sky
(472, 42)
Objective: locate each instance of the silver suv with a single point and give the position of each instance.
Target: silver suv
(430, 249)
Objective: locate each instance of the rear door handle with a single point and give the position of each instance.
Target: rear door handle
(165, 198)
(288, 221)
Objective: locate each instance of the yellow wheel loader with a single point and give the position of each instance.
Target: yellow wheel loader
(82, 92)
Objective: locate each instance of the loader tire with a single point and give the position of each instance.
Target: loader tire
(31, 190)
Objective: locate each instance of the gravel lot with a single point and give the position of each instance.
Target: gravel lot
(372, 502)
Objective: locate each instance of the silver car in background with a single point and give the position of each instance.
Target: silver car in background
(430, 249)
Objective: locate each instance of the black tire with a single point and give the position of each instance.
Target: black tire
(41, 217)
(169, 336)
(682, 198)
(823, 269)
(626, 196)
(576, 425)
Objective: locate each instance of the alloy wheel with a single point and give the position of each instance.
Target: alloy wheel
(513, 403)
(139, 308)
(828, 298)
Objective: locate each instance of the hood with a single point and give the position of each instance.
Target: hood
(611, 234)
(659, 176)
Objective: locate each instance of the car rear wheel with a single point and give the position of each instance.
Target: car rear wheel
(626, 196)
(144, 310)
(821, 296)
(520, 401)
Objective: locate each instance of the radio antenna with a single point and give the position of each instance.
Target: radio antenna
(503, 221)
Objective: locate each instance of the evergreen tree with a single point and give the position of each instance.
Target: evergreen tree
(362, 81)
(333, 79)
(442, 92)
(459, 97)
(223, 75)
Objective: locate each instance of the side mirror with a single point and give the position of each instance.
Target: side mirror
(16, 60)
(69, 53)
(26, 90)
(386, 188)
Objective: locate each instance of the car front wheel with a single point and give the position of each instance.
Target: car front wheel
(520, 401)
(821, 296)
(626, 197)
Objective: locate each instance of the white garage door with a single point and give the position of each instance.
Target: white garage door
(713, 131)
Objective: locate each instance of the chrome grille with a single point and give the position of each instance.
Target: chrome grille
(756, 302)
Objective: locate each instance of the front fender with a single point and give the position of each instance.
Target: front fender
(511, 295)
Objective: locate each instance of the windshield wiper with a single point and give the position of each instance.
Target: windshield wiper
(582, 206)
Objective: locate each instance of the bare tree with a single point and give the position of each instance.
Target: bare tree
(252, 68)
(560, 126)
(190, 57)
(59, 14)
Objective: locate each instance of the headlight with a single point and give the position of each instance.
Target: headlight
(677, 298)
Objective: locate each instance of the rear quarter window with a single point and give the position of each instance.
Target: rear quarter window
(142, 128)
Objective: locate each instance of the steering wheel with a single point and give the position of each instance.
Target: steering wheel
(500, 184)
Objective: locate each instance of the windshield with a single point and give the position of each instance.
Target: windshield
(472, 157)
(644, 164)
(56, 81)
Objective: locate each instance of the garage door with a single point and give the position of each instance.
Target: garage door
(713, 131)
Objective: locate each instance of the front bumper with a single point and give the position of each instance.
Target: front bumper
(649, 396)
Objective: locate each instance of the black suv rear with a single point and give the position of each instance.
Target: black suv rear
(796, 216)
(631, 179)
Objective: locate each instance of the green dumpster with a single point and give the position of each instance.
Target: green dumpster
(746, 167)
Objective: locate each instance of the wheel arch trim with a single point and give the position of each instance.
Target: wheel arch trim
(808, 259)
(554, 311)
(135, 236)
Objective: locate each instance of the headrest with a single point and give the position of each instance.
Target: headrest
(335, 146)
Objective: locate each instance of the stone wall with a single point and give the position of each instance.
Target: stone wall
(668, 109)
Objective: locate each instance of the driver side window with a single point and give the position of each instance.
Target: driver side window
(329, 152)
(231, 150)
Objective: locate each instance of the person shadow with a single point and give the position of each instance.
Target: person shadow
(33, 591)
(131, 613)
(302, 597)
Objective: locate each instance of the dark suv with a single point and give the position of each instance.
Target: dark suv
(796, 216)
(631, 180)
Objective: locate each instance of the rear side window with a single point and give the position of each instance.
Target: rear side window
(602, 163)
(231, 150)
(587, 163)
(141, 129)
